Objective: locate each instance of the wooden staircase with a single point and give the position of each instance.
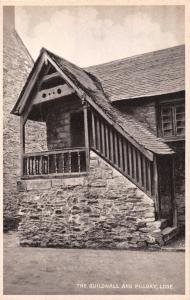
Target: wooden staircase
(125, 157)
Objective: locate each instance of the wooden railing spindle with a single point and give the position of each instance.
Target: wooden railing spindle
(78, 154)
(139, 167)
(134, 163)
(103, 138)
(70, 162)
(93, 130)
(121, 153)
(107, 142)
(111, 147)
(116, 149)
(125, 154)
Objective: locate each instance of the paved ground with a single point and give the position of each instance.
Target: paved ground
(36, 271)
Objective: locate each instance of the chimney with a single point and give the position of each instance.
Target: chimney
(9, 17)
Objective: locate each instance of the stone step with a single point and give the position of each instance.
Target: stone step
(169, 233)
(164, 224)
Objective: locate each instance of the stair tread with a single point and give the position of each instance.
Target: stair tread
(168, 230)
(164, 224)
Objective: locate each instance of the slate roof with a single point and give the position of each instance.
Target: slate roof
(154, 73)
(92, 87)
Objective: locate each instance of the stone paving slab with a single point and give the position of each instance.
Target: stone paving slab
(37, 271)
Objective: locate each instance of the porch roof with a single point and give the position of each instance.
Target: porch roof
(88, 86)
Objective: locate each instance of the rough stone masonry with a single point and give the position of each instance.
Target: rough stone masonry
(17, 63)
(101, 210)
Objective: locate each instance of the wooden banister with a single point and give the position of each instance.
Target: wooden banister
(58, 162)
(121, 153)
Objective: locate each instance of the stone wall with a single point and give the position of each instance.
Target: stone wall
(17, 64)
(143, 111)
(35, 136)
(101, 210)
(16, 67)
(59, 122)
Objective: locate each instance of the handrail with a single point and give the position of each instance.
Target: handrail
(54, 151)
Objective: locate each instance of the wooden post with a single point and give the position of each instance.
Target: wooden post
(139, 167)
(22, 145)
(98, 134)
(111, 146)
(93, 130)
(125, 152)
(134, 162)
(85, 109)
(116, 149)
(156, 188)
(130, 172)
(107, 142)
(144, 172)
(121, 153)
(173, 193)
(103, 138)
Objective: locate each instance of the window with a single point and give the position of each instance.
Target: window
(172, 120)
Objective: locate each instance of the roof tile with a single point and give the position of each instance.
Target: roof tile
(149, 74)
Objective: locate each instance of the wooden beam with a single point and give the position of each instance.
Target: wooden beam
(111, 146)
(174, 206)
(139, 167)
(31, 84)
(22, 145)
(50, 76)
(103, 139)
(93, 130)
(107, 142)
(125, 154)
(52, 93)
(144, 172)
(130, 161)
(98, 134)
(149, 177)
(116, 149)
(156, 188)
(121, 153)
(134, 162)
(85, 108)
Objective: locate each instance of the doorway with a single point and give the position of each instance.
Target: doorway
(77, 129)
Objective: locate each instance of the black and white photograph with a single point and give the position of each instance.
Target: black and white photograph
(94, 149)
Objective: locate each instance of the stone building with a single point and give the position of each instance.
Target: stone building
(17, 64)
(112, 174)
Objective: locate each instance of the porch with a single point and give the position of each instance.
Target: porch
(76, 124)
